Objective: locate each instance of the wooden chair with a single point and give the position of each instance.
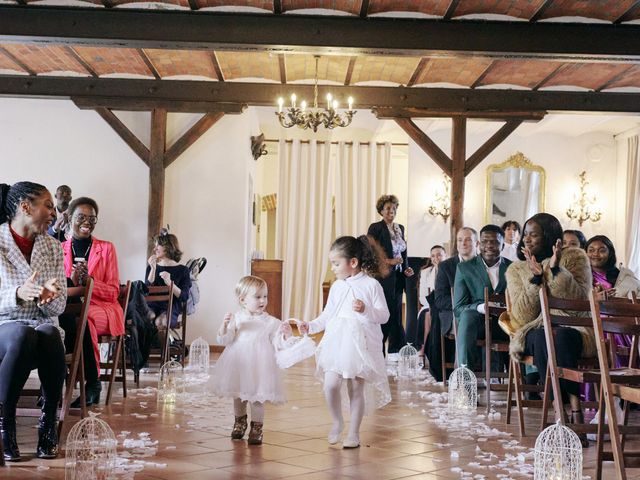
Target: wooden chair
(587, 370)
(180, 331)
(162, 294)
(449, 337)
(116, 356)
(620, 318)
(495, 304)
(74, 360)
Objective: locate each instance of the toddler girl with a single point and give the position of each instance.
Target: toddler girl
(247, 371)
(350, 348)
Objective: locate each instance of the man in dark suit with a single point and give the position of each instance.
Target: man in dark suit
(484, 271)
(466, 244)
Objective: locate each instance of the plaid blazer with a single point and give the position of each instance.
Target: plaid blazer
(48, 260)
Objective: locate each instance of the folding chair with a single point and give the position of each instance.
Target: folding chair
(116, 354)
(162, 294)
(621, 318)
(576, 313)
(448, 338)
(74, 360)
(180, 351)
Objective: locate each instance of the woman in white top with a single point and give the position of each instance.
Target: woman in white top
(427, 287)
(511, 239)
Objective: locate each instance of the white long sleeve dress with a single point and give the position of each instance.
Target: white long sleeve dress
(352, 342)
(247, 367)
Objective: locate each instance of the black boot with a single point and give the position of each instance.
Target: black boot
(92, 394)
(9, 440)
(47, 436)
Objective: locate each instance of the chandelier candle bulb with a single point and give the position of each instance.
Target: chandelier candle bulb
(280, 104)
(329, 98)
(335, 104)
(303, 105)
(293, 100)
(350, 103)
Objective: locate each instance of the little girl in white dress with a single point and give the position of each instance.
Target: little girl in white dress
(351, 346)
(246, 370)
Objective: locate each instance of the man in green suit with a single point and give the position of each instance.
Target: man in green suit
(485, 270)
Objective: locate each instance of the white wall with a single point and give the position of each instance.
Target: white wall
(563, 158)
(206, 191)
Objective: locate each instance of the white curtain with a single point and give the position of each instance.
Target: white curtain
(362, 175)
(633, 206)
(307, 183)
(303, 225)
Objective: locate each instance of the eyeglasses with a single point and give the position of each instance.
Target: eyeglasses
(81, 218)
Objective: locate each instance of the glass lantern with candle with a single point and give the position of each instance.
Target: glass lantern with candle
(557, 454)
(171, 382)
(463, 391)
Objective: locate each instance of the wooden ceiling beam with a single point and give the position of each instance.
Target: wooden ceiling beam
(17, 61)
(364, 8)
(142, 105)
(538, 13)
(283, 68)
(123, 132)
(216, 66)
(385, 113)
(451, 10)
(629, 14)
(417, 72)
(147, 61)
(490, 145)
(191, 136)
(352, 64)
(158, 146)
(317, 34)
(86, 65)
(427, 145)
(460, 101)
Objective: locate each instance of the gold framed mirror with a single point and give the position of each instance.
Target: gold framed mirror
(515, 190)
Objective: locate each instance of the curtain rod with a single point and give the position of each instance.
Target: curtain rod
(273, 140)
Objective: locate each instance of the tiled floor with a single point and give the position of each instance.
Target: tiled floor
(400, 441)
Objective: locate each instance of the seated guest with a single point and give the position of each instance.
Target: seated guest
(33, 293)
(567, 275)
(486, 270)
(573, 238)
(427, 293)
(511, 240)
(162, 269)
(85, 255)
(58, 227)
(466, 243)
(613, 280)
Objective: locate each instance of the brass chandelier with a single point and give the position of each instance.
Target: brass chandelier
(313, 117)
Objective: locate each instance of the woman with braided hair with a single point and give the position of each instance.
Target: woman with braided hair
(32, 295)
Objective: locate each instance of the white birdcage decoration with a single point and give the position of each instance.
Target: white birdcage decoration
(558, 454)
(463, 391)
(90, 451)
(407, 361)
(199, 356)
(170, 382)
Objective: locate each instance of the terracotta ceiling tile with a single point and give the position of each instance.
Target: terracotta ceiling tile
(631, 78)
(237, 65)
(349, 6)
(608, 10)
(6, 63)
(330, 68)
(106, 61)
(261, 4)
(181, 3)
(513, 8)
(429, 7)
(386, 69)
(170, 63)
(460, 71)
(43, 60)
(586, 75)
(524, 73)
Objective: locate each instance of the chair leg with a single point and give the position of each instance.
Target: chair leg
(600, 436)
(546, 395)
(509, 391)
(518, 384)
(443, 360)
(83, 393)
(123, 368)
(114, 358)
(487, 376)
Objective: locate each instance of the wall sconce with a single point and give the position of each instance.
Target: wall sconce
(441, 204)
(584, 207)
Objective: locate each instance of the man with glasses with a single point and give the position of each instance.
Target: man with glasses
(58, 226)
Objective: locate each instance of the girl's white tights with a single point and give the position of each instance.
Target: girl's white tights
(355, 388)
(257, 409)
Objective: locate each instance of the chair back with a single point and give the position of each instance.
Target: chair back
(123, 296)
(495, 303)
(163, 294)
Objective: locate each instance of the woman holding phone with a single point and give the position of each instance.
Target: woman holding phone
(32, 295)
(85, 255)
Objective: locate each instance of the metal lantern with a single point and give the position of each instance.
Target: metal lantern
(407, 361)
(171, 382)
(558, 454)
(463, 391)
(90, 451)
(199, 356)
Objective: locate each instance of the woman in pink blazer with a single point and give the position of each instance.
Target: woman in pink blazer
(85, 255)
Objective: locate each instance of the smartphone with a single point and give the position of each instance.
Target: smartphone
(79, 260)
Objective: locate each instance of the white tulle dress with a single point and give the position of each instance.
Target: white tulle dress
(352, 342)
(247, 367)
